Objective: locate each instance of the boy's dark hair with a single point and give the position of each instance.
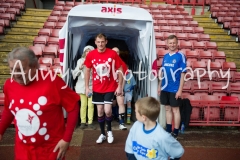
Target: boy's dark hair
(149, 107)
(172, 37)
(101, 35)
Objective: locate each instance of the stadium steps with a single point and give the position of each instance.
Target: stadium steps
(20, 35)
(25, 29)
(224, 41)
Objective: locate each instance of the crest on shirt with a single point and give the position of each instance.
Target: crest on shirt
(174, 61)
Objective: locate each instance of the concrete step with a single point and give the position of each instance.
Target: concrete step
(203, 19)
(33, 19)
(37, 12)
(22, 33)
(7, 47)
(34, 26)
(222, 38)
(212, 31)
(228, 44)
(24, 30)
(209, 25)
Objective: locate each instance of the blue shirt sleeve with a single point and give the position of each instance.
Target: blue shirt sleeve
(183, 63)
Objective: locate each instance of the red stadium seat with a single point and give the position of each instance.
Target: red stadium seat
(162, 22)
(52, 18)
(198, 30)
(49, 25)
(159, 17)
(64, 13)
(236, 77)
(47, 61)
(55, 33)
(180, 8)
(185, 13)
(193, 36)
(188, 17)
(40, 40)
(182, 36)
(169, 17)
(188, 30)
(166, 35)
(198, 45)
(60, 3)
(59, 25)
(13, 11)
(56, 13)
(211, 45)
(165, 12)
(179, 17)
(161, 53)
(218, 87)
(62, 19)
(175, 12)
(193, 24)
(155, 12)
(165, 28)
(172, 23)
(58, 8)
(192, 55)
(37, 50)
(156, 28)
(159, 62)
(187, 87)
(176, 29)
(158, 35)
(53, 41)
(210, 98)
(171, 7)
(205, 55)
(67, 8)
(71, 4)
(219, 56)
(160, 44)
(183, 23)
(44, 32)
(199, 64)
(162, 7)
(203, 37)
(234, 88)
(18, 6)
(56, 61)
(50, 51)
(2, 10)
(215, 66)
(201, 87)
(229, 65)
(5, 5)
(185, 44)
(56, 69)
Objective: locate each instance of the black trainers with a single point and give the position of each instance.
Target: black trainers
(174, 135)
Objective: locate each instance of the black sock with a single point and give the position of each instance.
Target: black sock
(109, 123)
(101, 121)
(169, 128)
(175, 131)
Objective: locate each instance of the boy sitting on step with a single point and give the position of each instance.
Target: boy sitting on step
(147, 139)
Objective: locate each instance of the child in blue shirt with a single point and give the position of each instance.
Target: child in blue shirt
(147, 139)
(128, 90)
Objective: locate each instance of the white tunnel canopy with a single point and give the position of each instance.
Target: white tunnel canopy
(131, 24)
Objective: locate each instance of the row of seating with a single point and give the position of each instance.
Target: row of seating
(48, 32)
(49, 61)
(13, 1)
(10, 10)
(167, 12)
(173, 17)
(233, 2)
(56, 19)
(192, 45)
(17, 5)
(53, 25)
(223, 5)
(224, 9)
(46, 51)
(198, 55)
(179, 29)
(189, 2)
(183, 36)
(171, 22)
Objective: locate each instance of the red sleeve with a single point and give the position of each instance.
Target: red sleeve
(154, 67)
(71, 123)
(124, 67)
(7, 116)
(6, 119)
(87, 61)
(118, 61)
(68, 97)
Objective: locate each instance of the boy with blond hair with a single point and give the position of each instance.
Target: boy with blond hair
(147, 139)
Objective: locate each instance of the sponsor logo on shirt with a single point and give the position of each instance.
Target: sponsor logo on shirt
(168, 64)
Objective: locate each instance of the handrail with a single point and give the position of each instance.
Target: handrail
(34, 3)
